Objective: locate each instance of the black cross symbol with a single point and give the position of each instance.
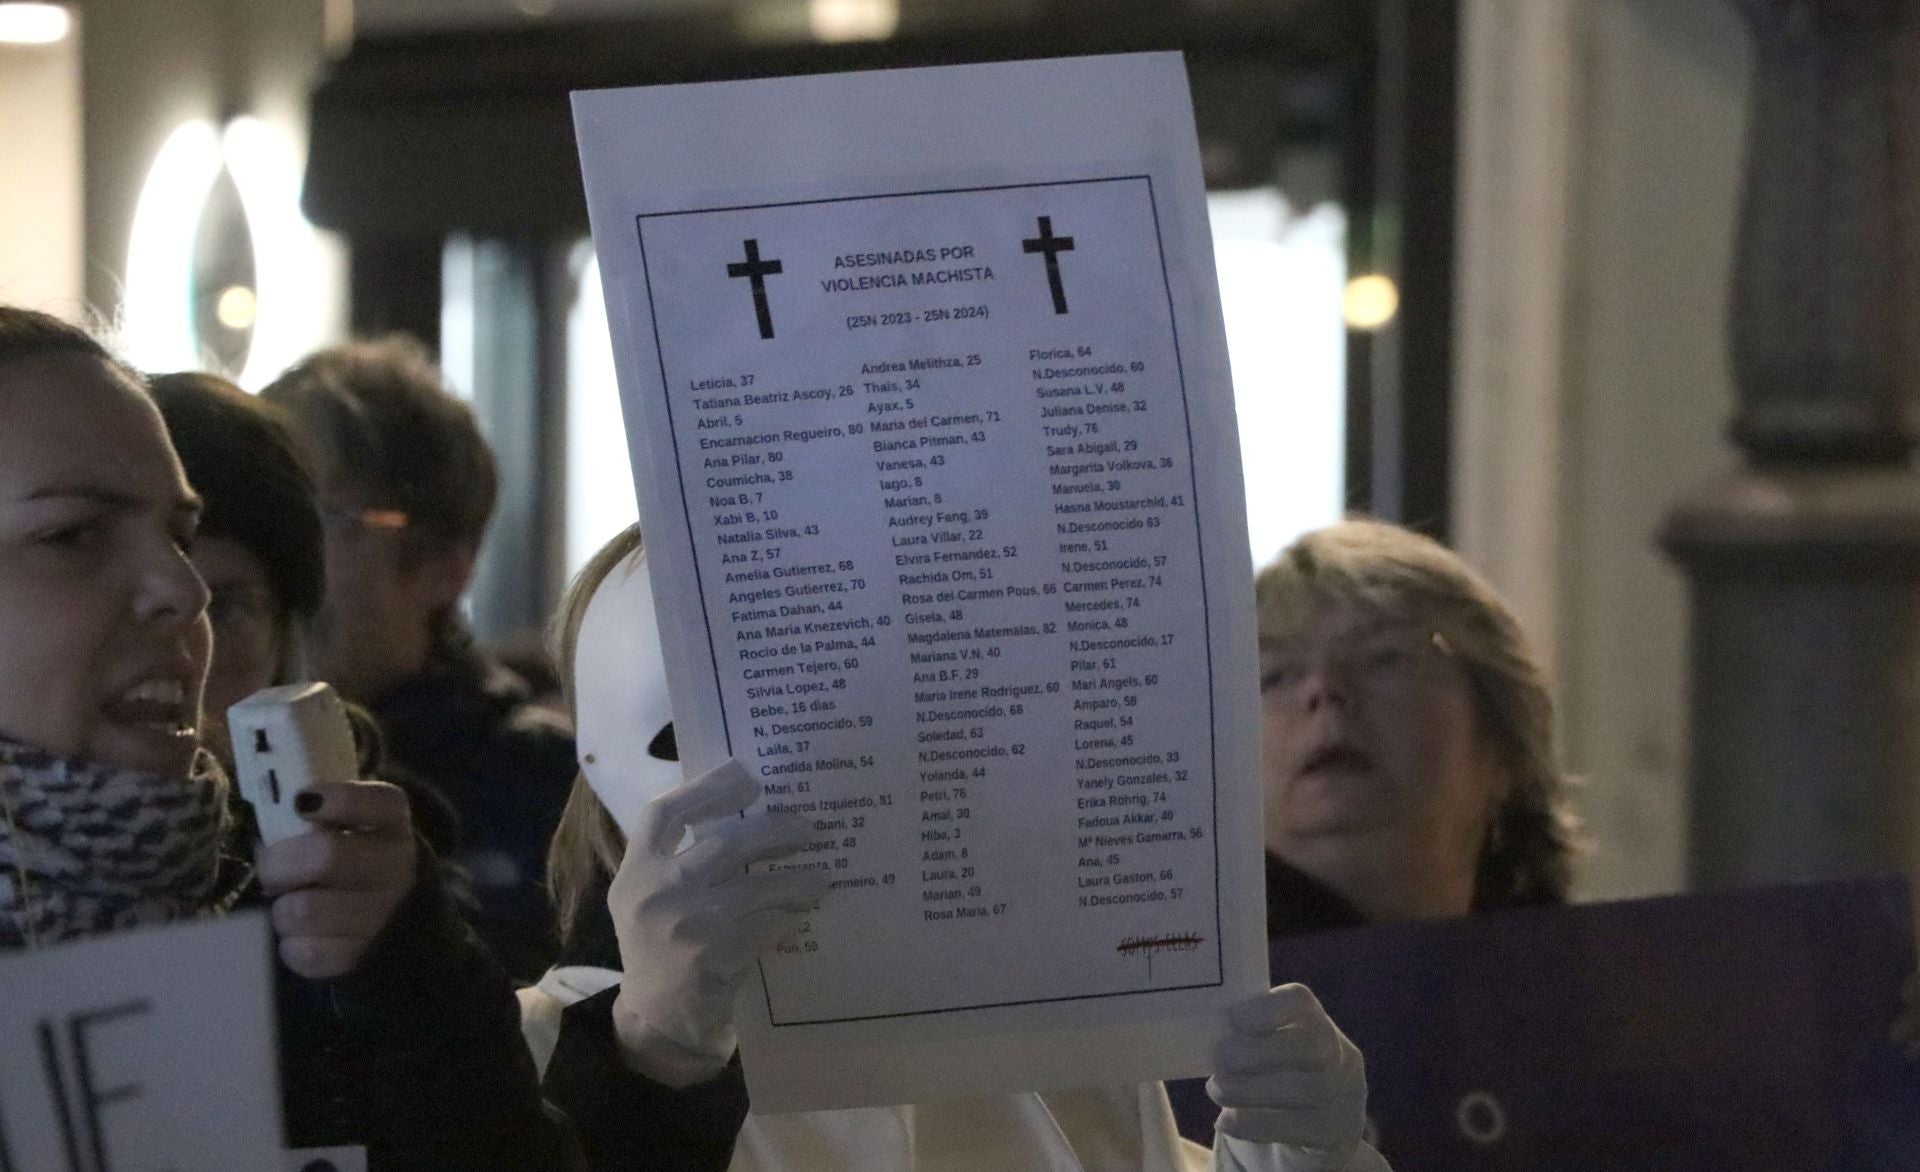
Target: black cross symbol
(1053, 246)
(756, 270)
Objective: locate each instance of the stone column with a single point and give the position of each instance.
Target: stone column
(1805, 565)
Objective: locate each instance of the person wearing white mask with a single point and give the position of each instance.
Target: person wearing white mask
(663, 927)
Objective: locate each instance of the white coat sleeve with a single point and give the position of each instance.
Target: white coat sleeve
(1238, 1155)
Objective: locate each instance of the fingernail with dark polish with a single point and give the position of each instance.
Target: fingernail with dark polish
(306, 802)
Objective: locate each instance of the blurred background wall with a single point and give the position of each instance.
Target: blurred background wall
(162, 87)
(1602, 142)
(40, 200)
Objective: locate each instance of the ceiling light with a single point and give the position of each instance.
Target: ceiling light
(34, 24)
(852, 20)
(236, 308)
(290, 301)
(157, 327)
(1370, 301)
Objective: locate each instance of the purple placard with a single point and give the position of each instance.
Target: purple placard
(1745, 1029)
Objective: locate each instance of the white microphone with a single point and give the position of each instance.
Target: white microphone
(286, 740)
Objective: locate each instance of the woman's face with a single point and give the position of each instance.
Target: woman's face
(103, 622)
(1372, 757)
(246, 616)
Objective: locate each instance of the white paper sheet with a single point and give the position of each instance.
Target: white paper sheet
(145, 1049)
(927, 396)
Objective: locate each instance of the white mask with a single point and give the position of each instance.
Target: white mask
(620, 695)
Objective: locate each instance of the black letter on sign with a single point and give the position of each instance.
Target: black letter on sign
(57, 1085)
(94, 1096)
(6, 1153)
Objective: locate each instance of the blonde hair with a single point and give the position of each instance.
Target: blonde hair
(587, 844)
(1527, 855)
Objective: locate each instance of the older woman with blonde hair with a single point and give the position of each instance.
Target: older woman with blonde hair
(1408, 737)
(1406, 744)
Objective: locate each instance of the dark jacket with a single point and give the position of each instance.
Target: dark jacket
(466, 727)
(623, 1120)
(434, 817)
(1299, 905)
(417, 1054)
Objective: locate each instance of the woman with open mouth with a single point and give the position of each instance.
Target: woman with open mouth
(1408, 739)
(1407, 744)
(397, 1032)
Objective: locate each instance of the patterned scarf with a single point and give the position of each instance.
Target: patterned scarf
(87, 847)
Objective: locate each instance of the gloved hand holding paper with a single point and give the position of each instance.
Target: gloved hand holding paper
(934, 445)
(692, 916)
(1286, 1075)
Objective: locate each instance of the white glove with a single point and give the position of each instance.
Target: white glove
(1286, 1075)
(692, 922)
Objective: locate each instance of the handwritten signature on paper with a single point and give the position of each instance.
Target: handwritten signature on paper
(1149, 946)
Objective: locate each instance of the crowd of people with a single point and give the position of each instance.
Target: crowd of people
(170, 544)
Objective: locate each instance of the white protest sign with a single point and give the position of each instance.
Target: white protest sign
(927, 394)
(143, 1051)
